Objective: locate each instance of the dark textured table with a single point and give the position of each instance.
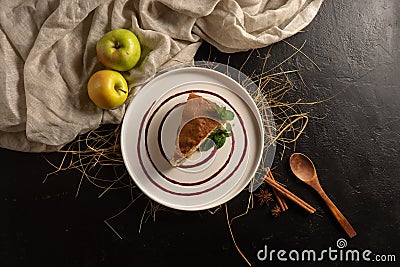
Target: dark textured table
(354, 140)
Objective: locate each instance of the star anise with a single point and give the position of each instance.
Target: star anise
(276, 211)
(264, 197)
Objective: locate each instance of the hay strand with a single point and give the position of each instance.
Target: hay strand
(233, 237)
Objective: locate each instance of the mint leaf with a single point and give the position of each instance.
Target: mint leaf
(224, 114)
(219, 138)
(219, 109)
(206, 145)
(227, 115)
(228, 127)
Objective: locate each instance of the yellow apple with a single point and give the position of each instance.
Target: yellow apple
(108, 89)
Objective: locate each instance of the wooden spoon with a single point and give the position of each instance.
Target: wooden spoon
(304, 169)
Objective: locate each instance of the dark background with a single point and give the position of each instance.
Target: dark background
(354, 140)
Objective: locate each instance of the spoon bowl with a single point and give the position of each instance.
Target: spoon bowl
(304, 169)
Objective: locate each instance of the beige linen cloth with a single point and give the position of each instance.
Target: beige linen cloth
(47, 53)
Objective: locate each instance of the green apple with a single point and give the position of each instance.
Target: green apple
(108, 89)
(119, 50)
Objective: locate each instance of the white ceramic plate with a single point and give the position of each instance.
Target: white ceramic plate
(206, 179)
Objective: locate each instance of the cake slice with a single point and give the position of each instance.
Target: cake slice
(199, 119)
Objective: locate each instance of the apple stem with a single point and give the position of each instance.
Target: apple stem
(122, 90)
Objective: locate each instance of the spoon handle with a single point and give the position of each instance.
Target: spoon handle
(338, 215)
